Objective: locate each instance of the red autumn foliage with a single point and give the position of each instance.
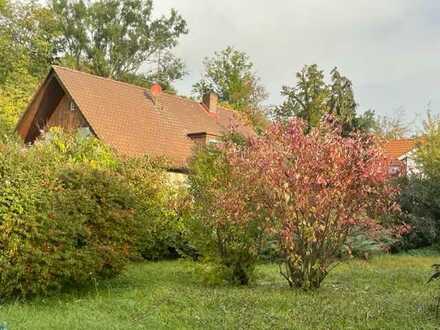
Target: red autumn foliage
(312, 187)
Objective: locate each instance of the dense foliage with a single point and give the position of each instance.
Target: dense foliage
(230, 74)
(307, 189)
(72, 212)
(115, 38)
(312, 98)
(161, 208)
(60, 223)
(420, 202)
(225, 227)
(420, 197)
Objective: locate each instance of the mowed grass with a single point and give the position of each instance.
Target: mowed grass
(387, 292)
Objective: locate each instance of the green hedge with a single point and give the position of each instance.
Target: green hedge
(60, 228)
(161, 210)
(71, 212)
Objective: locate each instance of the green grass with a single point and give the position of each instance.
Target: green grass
(388, 292)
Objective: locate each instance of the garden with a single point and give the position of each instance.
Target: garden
(299, 227)
(387, 292)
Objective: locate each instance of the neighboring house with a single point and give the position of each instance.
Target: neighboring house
(131, 119)
(401, 153)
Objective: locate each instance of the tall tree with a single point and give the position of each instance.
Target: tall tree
(28, 45)
(115, 38)
(312, 97)
(230, 74)
(28, 29)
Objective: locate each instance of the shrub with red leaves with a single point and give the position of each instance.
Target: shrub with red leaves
(317, 186)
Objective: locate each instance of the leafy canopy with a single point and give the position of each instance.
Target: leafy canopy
(230, 74)
(28, 29)
(115, 38)
(312, 98)
(29, 41)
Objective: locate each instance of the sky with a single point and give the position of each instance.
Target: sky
(390, 49)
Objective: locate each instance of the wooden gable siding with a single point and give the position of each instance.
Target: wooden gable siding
(42, 106)
(65, 118)
(50, 107)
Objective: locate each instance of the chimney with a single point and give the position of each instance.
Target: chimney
(156, 89)
(210, 100)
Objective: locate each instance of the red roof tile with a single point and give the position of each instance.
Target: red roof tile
(397, 148)
(127, 118)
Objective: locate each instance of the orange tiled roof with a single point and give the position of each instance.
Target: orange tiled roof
(397, 148)
(126, 117)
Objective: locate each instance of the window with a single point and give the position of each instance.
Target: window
(394, 170)
(72, 106)
(212, 140)
(84, 131)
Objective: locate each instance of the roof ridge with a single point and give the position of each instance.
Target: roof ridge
(167, 93)
(99, 77)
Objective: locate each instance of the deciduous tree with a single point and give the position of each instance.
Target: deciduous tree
(312, 98)
(30, 30)
(28, 45)
(230, 74)
(115, 38)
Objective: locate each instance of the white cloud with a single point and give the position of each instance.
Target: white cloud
(389, 48)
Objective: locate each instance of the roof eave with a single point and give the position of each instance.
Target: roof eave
(25, 113)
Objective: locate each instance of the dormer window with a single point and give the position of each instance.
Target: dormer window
(72, 106)
(211, 140)
(203, 138)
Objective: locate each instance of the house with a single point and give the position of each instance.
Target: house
(131, 119)
(401, 154)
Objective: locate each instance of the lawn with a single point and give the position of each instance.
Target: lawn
(387, 292)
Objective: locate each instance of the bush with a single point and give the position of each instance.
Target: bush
(309, 190)
(71, 211)
(160, 225)
(57, 148)
(319, 185)
(160, 209)
(58, 226)
(223, 228)
(420, 199)
(420, 202)
(101, 209)
(364, 242)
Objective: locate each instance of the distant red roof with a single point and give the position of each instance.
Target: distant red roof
(397, 148)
